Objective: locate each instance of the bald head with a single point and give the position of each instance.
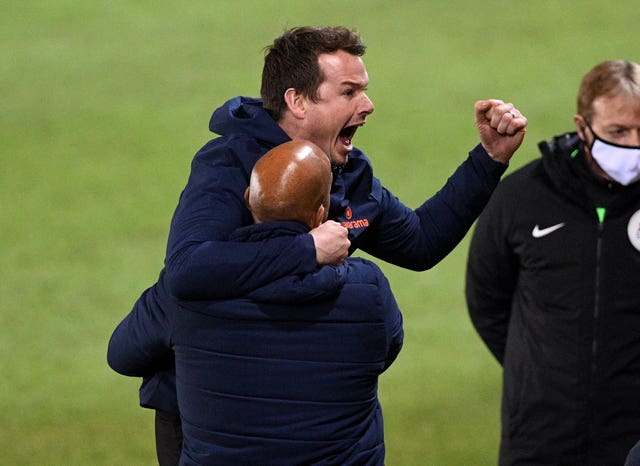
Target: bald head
(291, 182)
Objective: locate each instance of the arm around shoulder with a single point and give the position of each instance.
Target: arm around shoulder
(201, 262)
(228, 269)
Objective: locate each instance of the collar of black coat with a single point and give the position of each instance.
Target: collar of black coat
(565, 165)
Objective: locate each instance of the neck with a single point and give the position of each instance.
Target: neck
(291, 126)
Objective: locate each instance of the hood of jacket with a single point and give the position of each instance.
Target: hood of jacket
(245, 115)
(353, 184)
(564, 163)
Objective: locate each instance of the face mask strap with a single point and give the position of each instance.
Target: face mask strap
(593, 133)
(596, 137)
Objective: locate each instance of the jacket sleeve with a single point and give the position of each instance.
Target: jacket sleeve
(419, 239)
(492, 272)
(140, 345)
(201, 263)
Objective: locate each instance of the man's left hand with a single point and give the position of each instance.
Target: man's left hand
(501, 127)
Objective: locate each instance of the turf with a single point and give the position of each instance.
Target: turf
(103, 106)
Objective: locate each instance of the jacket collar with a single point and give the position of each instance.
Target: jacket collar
(245, 115)
(565, 165)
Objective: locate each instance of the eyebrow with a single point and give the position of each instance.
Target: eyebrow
(354, 83)
(611, 126)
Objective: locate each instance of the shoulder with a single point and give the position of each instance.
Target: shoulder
(232, 149)
(517, 182)
(363, 272)
(522, 173)
(235, 152)
(515, 195)
(367, 292)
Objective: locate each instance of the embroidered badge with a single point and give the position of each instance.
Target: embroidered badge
(633, 230)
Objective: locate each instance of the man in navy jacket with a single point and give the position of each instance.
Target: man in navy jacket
(313, 87)
(288, 373)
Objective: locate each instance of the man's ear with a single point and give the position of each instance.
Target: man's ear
(578, 120)
(318, 218)
(246, 198)
(296, 102)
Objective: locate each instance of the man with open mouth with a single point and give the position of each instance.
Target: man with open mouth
(314, 87)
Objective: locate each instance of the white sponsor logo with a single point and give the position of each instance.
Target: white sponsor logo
(539, 233)
(633, 230)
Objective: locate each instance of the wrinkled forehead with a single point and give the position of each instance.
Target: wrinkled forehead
(620, 108)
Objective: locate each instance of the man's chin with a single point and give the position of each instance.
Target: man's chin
(339, 161)
(340, 158)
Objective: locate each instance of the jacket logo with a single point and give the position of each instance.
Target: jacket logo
(539, 233)
(348, 213)
(360, 223)
(353, 224)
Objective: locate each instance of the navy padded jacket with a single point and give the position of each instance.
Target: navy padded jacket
(286, 375)
(202, 263)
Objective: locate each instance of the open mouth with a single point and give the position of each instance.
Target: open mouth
(346, 135)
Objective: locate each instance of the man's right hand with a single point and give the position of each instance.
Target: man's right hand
(332, 243)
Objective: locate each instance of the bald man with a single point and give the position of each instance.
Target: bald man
(287, 374)
(291, 182)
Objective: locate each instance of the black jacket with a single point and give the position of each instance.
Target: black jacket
(553, 289)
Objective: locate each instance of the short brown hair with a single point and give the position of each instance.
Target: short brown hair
(608, 78)
(292, 62)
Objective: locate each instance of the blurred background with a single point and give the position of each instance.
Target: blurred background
(104, 105)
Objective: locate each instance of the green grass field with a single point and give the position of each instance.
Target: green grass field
(104, 105)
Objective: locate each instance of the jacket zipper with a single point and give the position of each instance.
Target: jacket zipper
(601, 212)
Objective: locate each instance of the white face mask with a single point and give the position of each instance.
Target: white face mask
(622, 163)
